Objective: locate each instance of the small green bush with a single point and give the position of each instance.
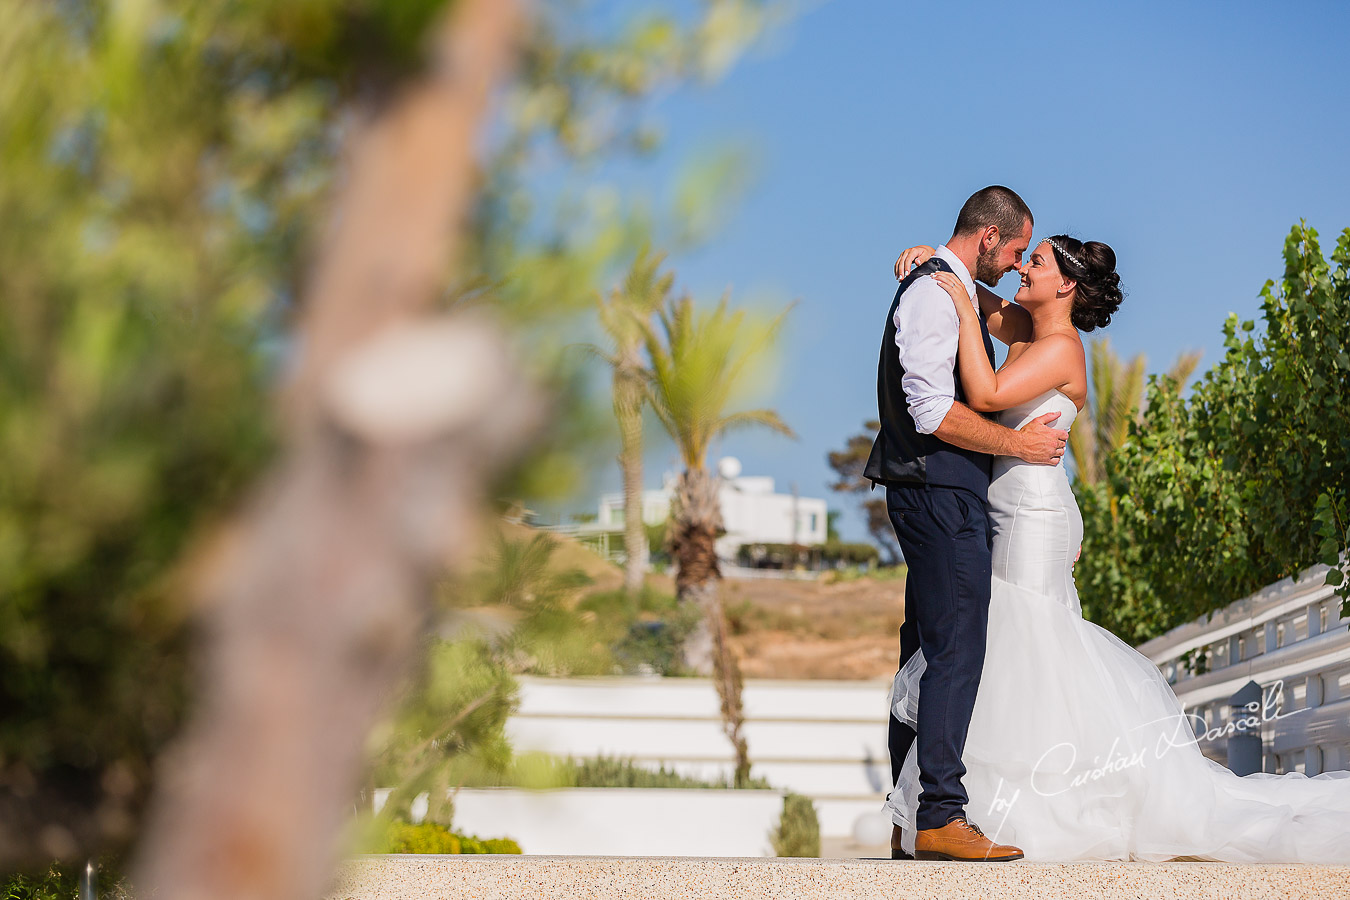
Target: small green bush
(798, 831)
(624, 773)
(428, 837)
(500, 845)
(540, 771)
(403, 837)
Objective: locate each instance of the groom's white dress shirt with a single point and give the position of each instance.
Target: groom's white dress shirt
(926, 332)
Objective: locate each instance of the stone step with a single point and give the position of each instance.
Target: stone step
(652, 878)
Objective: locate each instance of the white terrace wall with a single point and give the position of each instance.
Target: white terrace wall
(827, 739)
(824, 739)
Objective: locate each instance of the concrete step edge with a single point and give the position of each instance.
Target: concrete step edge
(602, 878)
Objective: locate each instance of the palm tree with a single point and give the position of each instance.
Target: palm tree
(625, 316)
(699, 364)
(1117, 399)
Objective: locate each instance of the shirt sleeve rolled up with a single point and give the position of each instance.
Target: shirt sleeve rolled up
(926, 331)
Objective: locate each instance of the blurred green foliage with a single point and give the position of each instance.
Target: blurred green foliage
(645, 631)
(1245, 482)
(133, 287)
(163, 167)
(518, 611)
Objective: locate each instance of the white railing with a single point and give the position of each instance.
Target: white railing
(1291, 639)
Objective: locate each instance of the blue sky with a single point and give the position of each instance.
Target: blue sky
(1188, 136)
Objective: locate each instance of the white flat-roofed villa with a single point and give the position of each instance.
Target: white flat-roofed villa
(752, 512)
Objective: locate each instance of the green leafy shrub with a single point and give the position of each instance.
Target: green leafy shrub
(499, 845)
(625, 773)
(542, 771)
(404, 837)
(798, 831)
(429, 837)
(1245, 482)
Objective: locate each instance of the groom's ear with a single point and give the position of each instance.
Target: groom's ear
(989, 238)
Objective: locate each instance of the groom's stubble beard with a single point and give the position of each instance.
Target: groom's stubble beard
(987, 270)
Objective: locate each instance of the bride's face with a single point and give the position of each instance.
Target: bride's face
(1041, 279)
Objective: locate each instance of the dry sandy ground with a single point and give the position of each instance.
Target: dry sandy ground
(785, 629)
(804, 629)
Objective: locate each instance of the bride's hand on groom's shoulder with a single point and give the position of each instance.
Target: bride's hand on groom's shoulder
(914, 256)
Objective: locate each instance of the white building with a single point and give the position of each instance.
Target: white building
(751, 512)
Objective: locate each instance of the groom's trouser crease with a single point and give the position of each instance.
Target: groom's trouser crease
(945, 536)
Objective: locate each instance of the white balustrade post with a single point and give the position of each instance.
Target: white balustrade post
(1313, 695)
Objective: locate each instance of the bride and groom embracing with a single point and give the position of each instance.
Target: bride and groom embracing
(1066, 742)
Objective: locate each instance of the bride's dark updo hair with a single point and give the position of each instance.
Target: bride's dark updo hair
(1094, 268)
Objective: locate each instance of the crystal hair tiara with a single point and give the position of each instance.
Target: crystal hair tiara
(1064, 253)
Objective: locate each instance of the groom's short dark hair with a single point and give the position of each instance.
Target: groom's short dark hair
(994, 205)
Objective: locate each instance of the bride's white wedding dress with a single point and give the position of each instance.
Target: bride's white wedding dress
(1078, 748)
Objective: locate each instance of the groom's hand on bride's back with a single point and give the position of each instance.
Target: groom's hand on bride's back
(1042, 444)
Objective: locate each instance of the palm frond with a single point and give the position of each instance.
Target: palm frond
(1184, 367)
(766, 418)
(1124, 408)
(699, 360)
(1083, 447)
(608, 358)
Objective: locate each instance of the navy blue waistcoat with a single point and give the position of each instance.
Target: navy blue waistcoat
(900, 454)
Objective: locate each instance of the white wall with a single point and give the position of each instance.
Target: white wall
(824, 739)
(624, 821)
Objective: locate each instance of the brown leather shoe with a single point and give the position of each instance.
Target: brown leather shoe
(898, 849)
(961, 841)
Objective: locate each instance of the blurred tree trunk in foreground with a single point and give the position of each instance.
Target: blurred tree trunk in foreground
(165, 168)
(315, 596)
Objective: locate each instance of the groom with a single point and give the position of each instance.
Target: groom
(934, 455)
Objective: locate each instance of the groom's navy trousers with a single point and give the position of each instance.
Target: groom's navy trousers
(945, 535)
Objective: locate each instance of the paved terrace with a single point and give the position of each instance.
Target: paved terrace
(641, 878)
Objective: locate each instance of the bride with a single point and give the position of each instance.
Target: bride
(1078, 749)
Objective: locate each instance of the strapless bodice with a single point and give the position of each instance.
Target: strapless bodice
(1037, 527)
(1051, 401)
